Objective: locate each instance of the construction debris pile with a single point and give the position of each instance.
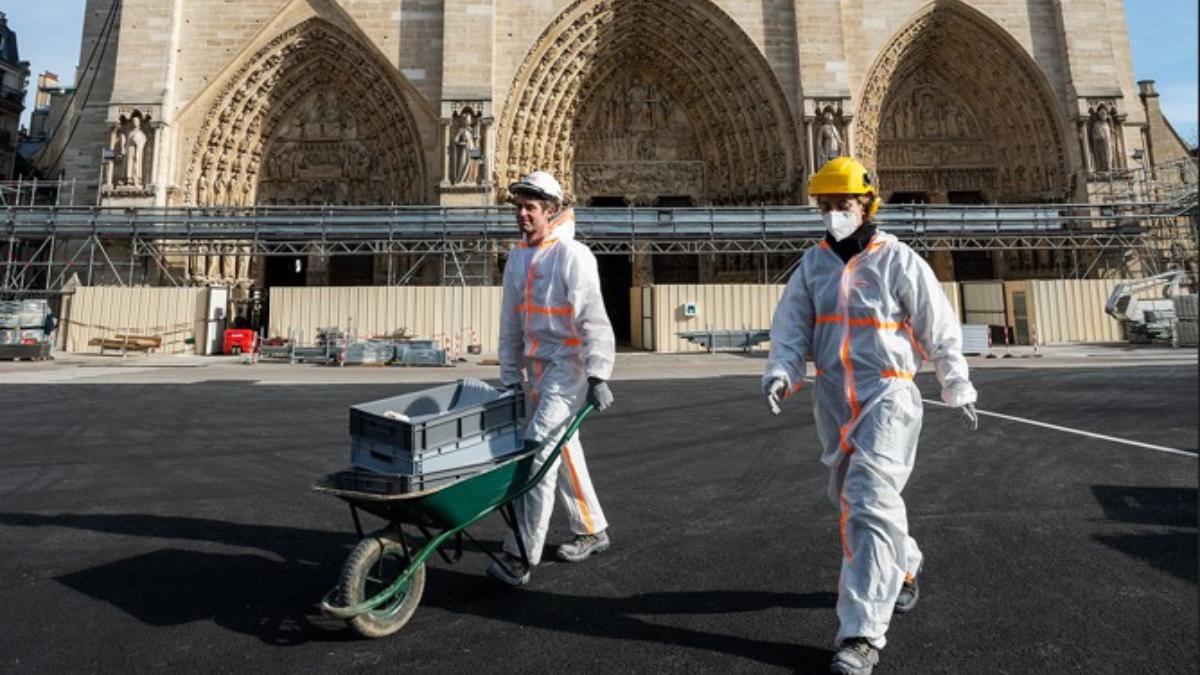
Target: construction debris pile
(334, 347)
(25, 329)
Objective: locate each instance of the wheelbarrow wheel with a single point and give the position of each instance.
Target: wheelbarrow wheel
(372, 566)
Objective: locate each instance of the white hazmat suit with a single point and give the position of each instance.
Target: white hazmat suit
(868, 324)
(554, 327)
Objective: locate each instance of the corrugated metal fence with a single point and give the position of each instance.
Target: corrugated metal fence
(1060, 311)
(656, 327)
(1056, 311)
(461, 315)
(174, 314)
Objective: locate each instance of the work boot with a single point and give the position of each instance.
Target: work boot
(583, 546)
(909, 593)
(855, 656)
(509, 570)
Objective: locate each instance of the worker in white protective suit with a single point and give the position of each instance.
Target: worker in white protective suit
(555, 334)
(866, 310)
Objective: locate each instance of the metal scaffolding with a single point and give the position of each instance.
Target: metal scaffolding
(45, 245)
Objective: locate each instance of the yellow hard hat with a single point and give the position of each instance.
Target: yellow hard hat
(844, 176)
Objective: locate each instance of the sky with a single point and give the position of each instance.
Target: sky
(1162, 33)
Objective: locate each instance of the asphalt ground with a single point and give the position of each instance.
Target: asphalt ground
(169, 527)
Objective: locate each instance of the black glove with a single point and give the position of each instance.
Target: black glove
(599, 395)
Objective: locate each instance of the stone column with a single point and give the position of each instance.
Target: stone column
(643, 266)
(942, 262)
(485, 149)
(445, 152)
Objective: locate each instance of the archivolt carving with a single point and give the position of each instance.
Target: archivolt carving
(687, 63)
(954, 103)
(324, 116)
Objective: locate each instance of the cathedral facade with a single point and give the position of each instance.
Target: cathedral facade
(629, 102)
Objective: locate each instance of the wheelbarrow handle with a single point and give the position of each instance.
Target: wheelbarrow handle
(562, 443)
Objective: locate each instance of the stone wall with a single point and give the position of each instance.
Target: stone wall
(170, 59)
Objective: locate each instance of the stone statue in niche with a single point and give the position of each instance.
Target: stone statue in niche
(464, 149)
(1103, 154)
(829, 139)
(130, 141)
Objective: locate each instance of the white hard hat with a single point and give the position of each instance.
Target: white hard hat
(539, 184)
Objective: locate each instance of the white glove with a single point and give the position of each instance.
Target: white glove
(776, 389)
(970, 418)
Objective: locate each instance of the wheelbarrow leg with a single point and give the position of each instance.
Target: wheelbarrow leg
(509, 513)
(357, 523)
(458, 547)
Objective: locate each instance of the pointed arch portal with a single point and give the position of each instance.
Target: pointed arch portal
(651, 100)
(955, 106)
(313, 117)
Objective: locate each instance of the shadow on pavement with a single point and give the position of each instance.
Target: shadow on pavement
(624, 618)
(1173, 551)
(271, 596)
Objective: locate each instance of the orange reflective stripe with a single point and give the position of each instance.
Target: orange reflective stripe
(830, 318)
(564, 310)
(587, 516)
(842, 524)
(533, 343)
(844, 433)
(851, 391)
(901, 374)
(537, 381)
(795, 387)
(913, 337)
(573, 342)
(871, 322)
(820, 372)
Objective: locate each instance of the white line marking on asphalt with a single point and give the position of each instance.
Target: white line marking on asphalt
(1069, 430)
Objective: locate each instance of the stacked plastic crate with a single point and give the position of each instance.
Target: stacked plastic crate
(23, 322)
(437, 435)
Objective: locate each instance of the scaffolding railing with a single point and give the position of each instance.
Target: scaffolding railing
(44, 245)
(35, 192)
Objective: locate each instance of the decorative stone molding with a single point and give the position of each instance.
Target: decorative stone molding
(706, 75)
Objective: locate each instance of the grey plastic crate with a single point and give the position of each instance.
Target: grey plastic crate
(368, 352)
(438, 416)
(386, 485)
(373, 455)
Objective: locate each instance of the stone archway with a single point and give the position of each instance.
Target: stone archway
(311, 117)
(953, 105)
(648, 100)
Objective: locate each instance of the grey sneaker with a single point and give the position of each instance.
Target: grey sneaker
(909, 594)
(584, 545)
(855, 656)
(514, 572)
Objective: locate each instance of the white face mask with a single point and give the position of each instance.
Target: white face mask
(840, 224)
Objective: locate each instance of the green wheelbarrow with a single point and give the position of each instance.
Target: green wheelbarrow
(384, 576)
